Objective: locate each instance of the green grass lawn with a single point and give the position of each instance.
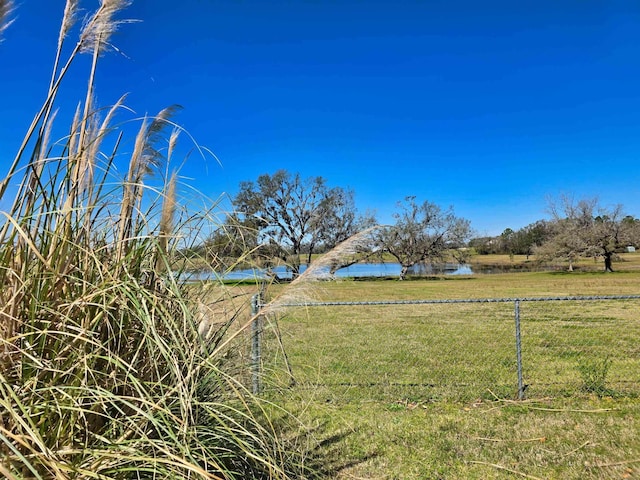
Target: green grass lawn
(429, 391)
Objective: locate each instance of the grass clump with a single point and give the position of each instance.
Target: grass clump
(594, 375)
(103, 373)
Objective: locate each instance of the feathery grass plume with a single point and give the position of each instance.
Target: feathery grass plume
(6, 7)
(144, 159)
(299, 290)
(173, 140)
(68, 20)
(168, 207)
(98, 29)
(166, 222)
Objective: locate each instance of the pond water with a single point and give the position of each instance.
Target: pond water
(359, 270)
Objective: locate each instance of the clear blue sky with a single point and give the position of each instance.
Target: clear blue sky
(488, 106)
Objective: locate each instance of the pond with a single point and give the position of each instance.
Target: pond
(359, 270)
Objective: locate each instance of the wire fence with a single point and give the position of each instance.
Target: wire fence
(459, 349)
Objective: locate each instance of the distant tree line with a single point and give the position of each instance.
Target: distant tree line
(283, 218)
(515, 242)
(577, 229)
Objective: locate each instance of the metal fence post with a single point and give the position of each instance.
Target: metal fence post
(519, 351)
(256, 333)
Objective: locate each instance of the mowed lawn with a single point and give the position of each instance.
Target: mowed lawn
(430, 391)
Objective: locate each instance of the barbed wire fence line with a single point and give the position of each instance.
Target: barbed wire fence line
(458, 349)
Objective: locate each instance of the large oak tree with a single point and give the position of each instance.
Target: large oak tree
(423, 232)
(295, 215)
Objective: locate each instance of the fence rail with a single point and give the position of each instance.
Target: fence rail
(459, 300)
(461, 348)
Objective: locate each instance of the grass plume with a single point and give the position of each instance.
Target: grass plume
(299, 290)
(100, 27)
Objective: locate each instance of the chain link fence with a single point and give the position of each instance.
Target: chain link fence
(430, 350)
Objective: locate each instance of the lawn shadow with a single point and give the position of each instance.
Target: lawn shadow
(319, 452)
(327, 459)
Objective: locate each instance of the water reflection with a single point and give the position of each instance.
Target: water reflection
(440, 269)
(359, 270)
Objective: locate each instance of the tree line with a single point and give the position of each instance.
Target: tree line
(577, 229)
(283, 218)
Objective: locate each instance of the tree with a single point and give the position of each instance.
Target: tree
(422, 232)
(519, 242)
(508, 242)
(339, 219)
(484, 245)
(233, 241)
(532, 236)
(339, 222)
(295, 215)
(586, 229)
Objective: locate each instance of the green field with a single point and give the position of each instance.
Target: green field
(430, 391)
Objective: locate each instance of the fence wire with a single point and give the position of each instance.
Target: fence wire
(461, 349)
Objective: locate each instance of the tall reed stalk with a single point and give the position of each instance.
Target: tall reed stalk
(102, 371)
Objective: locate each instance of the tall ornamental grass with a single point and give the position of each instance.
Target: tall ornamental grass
(102, 371)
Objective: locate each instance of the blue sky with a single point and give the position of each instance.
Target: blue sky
(490, 107)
